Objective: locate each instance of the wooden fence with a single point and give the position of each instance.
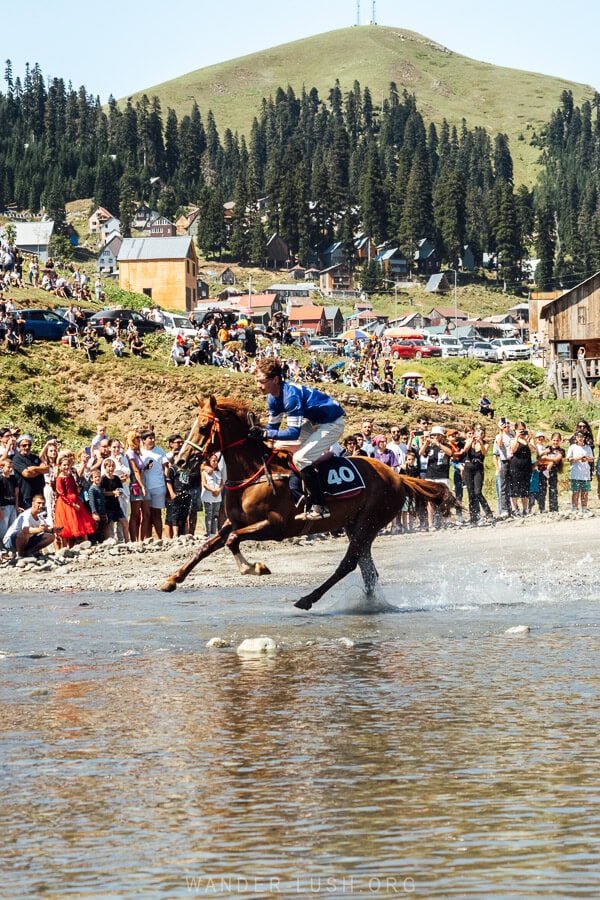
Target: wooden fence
(573, 377)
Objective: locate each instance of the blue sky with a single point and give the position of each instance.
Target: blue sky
(123, 47)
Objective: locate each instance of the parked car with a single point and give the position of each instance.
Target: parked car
(321, 345)
(42, 325)
(482, 350)
(143, 325)
(510, 348)
(413, 348)
(175, 324)
(450, 346)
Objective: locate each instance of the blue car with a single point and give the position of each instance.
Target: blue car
(42, 325)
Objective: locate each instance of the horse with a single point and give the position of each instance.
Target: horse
(260, 507)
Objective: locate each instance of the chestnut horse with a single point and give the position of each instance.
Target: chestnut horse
(259, 505)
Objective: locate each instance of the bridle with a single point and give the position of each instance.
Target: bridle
(215, 430)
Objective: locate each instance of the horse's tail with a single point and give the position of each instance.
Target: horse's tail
(422, 492)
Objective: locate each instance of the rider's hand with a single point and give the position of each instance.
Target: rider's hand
(256, 433)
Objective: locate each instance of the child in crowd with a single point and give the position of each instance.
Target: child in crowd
(70, 512)
(212, 488)
(580, 456)
(97, 502)
(412, 468)
(113, 490)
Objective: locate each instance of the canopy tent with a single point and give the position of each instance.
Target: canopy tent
(400, 331)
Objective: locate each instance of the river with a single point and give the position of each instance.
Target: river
(409, 747)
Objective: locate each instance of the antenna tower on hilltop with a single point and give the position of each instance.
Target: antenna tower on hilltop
(373, 16)
(357, 13)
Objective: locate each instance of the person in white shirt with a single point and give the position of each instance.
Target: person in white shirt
(30, 532)
(580, 456)
(156, 462)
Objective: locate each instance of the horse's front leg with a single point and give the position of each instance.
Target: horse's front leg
(259, 531)
(208, 547)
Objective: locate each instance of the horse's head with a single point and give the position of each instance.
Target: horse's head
(221, 423)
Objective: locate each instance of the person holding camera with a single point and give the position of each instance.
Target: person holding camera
(474, 453)
(435, 454)
(521, 464)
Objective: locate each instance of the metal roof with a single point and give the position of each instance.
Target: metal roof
(155, 248)
(34, 234)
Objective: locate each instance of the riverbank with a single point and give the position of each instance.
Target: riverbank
(550, 546)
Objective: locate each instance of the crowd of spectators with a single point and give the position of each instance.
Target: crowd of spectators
(128, 490)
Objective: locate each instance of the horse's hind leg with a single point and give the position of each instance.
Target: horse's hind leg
(368, 571)
(347, 565)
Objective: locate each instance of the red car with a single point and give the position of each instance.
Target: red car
(414, 348)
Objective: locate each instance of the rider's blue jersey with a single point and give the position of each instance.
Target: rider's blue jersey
(299, 402)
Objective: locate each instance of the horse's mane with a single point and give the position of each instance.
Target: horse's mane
(231, 405)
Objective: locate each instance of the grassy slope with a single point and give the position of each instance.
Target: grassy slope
(446, 84)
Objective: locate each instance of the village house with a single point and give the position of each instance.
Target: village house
(97, 219)
(278, 253)
(110, 227)
(336, 280)
(160, 226)
(426, 258)
(294, 294)
(142, 216)
(445, 315)
(335, 319)
(309, 318)
(227, 276)
(437, 284)
(34, 238)
(164, 269)
(260, 307)
(109, 254)
(573, 321)
(393, 263)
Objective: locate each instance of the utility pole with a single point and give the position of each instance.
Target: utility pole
(357, 13)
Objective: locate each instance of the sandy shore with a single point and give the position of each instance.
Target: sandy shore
(550, 546)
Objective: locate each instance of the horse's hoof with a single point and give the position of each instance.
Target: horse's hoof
(261, 569)
(168, 587)
(303, 603)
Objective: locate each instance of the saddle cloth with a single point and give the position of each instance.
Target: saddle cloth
(339, 477)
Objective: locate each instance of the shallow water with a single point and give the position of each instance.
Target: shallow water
(407, 746)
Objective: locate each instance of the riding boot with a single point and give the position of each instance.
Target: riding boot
(315, 501)
(296, 489)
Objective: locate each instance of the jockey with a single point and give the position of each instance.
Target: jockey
(312, 418)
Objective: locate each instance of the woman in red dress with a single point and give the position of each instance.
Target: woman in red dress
(69, 511)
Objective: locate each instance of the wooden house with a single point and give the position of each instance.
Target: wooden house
(261, 307)
(309, 318)
(97, 218)
(335, 319)
(573, 321)
(142, 216)
(203, 289)
(160, 226)
(109, 254)
(334, 255)
(297, 272)
(426, 258)
(164, 269)
(227, 276)
(444, 315)
(437, 284)
(278, 252)
(467, 261)
(393, 263)
(298, 293)
(364, 248)
(336, 279)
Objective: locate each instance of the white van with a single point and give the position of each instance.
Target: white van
(450, 346)
(176, 324)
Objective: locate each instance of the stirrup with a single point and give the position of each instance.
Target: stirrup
(314, 514)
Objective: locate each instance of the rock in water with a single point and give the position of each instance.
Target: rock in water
(257, 647)
(217, 642)
(518, 629)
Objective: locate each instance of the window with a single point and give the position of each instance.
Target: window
(147, 292)
(582, 315)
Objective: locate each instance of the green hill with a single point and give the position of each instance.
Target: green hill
(445, 83)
